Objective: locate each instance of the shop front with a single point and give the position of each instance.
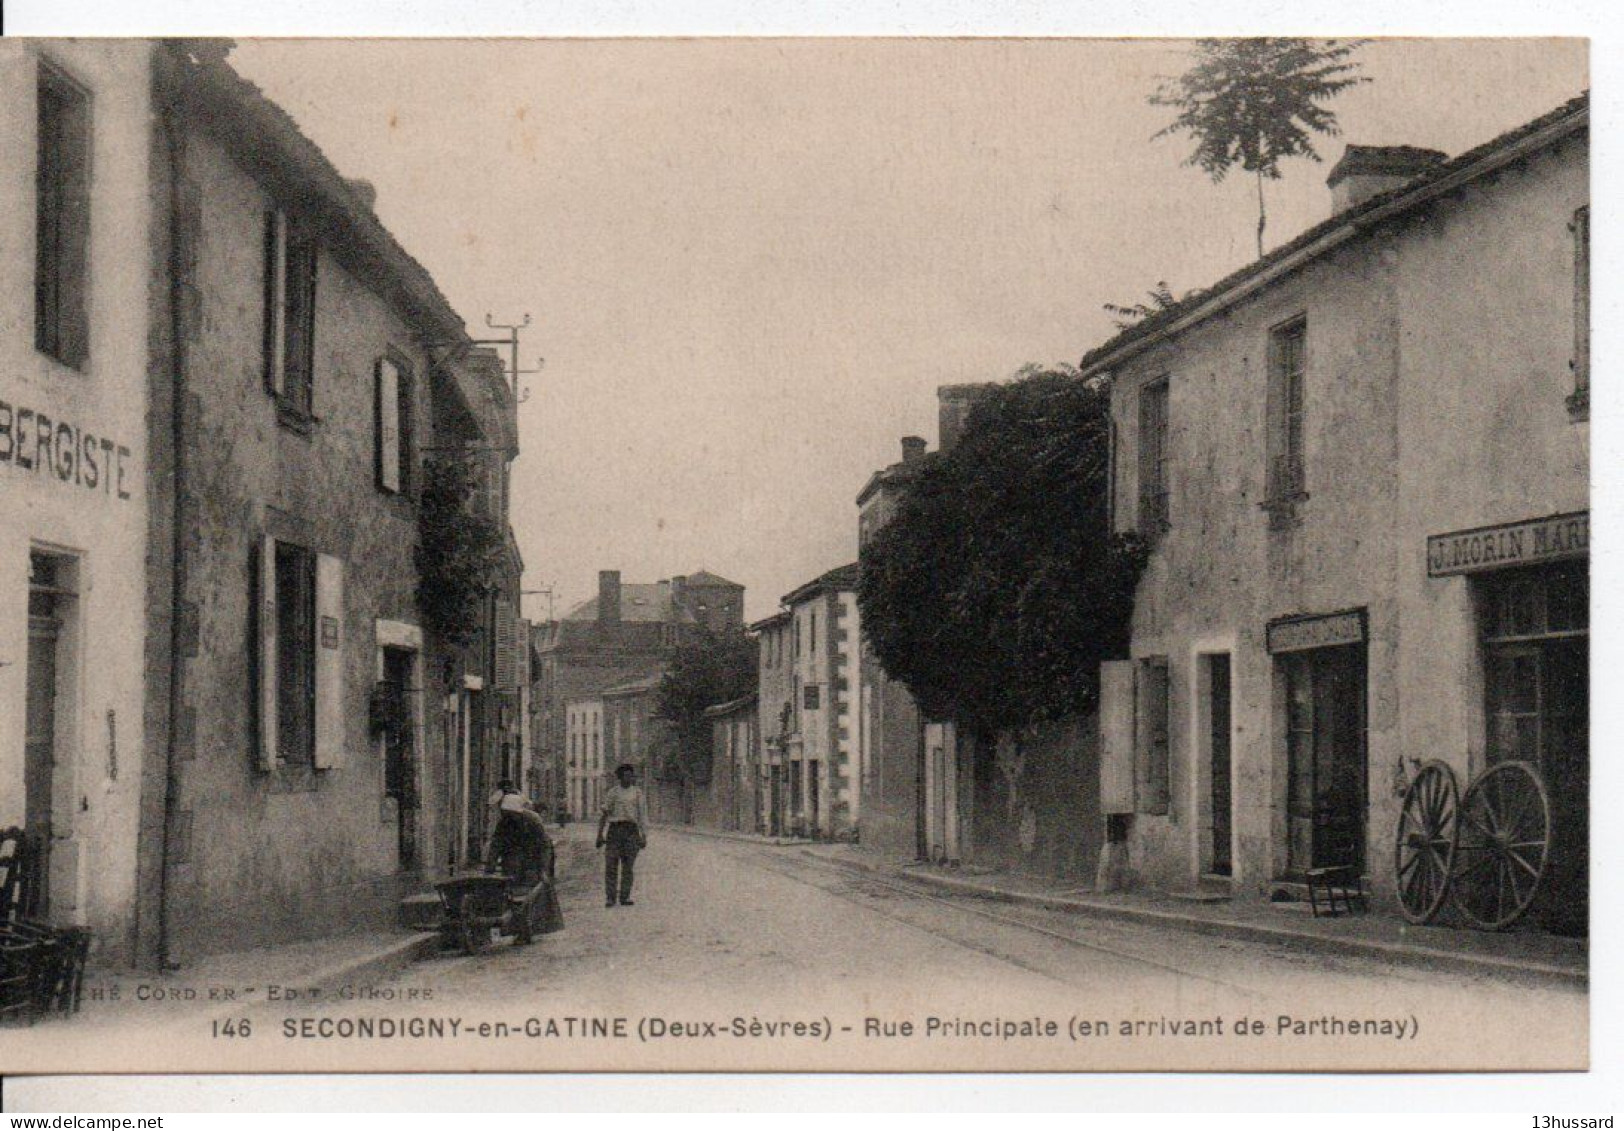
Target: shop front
(1530, 592)
(1320, 663)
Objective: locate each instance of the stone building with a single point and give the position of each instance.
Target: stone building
(736, 800)
(820, 748)
(775, 716)
(627, 631)
(585, 775)
(890, 730)
(311, 748)
(634, 735)
(1363, 461)
(74, 469)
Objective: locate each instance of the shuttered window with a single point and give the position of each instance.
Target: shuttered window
(1153, 786)
(1117, 736)
(1288, 357)
(299, 656)
(62, 219)
(392, 424)
(507, 673)
(290, 313)
(1153, 508)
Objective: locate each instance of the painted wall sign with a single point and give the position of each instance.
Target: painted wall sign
(1298, 634)
(61, 450)
(1559, 537)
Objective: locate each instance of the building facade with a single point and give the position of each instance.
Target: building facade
(737, 796)
(74, 470)
(310, 745)
(626, 632)
(824, 766)
(775, 716)
(583, 726)
(1364, 471)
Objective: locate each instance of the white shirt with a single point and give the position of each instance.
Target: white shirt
(625, 803)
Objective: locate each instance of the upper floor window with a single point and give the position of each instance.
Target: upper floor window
(1579, 400)
(1288, 357)
(1153, 509)
(62, 220)
(290, 313)
(392, 425)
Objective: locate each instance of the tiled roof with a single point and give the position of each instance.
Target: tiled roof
(732, 706)
(635, 686)
(706, 577)
(639, 604)
(842, 578)
(1350, 219)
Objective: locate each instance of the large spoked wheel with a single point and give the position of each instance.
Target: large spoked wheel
(1503, 846)
(1425, 853)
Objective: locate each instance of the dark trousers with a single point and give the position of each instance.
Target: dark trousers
(619, 854)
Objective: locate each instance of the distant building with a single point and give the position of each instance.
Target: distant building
(583, 759)
(634, 735)
(821, 748)
(626, 632)
(736, 801)
(775, 713)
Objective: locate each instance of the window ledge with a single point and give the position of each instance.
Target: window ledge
(295, 419)
(1578, 403)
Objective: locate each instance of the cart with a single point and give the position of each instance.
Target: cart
(1486, 851)
(479, 910)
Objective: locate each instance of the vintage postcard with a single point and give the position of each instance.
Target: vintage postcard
(794, 554)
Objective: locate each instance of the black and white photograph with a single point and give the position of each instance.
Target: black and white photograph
(795, 554)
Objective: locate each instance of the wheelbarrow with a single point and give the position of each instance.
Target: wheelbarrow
(480, 910)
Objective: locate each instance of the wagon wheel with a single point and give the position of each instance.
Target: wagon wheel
(1425, 851)
(472, 935)
(1504, 845)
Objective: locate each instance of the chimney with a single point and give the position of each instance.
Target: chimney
(953, 403)
(913, 449)
(366, 190)
(679, 593)
(608, 596)
(1367, 171)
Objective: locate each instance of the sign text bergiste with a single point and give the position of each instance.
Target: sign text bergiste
(1559, 537)
(59, 449)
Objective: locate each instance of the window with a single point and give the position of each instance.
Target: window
(1153, 511)
(1153, 789)
(295, 650)
(1288, 355)
(810, 691)
(62, 220)
(812, 638)
(290, 315)
(392, 425)
(1579, 400)
(299, 624)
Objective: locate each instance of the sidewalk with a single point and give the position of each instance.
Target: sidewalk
(230, 983)
(1526, 953)
(747, 838)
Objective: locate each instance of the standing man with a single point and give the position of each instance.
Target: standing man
(625, 821)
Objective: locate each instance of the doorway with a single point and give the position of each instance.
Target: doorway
(1221, 797)
(399, 753)
(51, 596)
(1326, 805)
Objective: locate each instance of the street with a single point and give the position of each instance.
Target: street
(727, 929)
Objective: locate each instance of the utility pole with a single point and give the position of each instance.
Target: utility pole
(512, 342)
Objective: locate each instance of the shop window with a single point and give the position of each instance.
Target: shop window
(1153, 436)
(62, 219)
(392, 425)
(1579, 399)
(1288, 358)
(1153, 788)
(1536, 604)
(290, 316)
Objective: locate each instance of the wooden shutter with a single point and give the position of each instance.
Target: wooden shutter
(329, 662)
(1116, 736)
(386, 425)
(506, 674)
(265, 746)
(1152, 787)
(276, 287)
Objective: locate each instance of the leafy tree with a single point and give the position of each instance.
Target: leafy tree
(1256, 102)
(713, 669)
(1159, 298)
(998, 587)
(459, 549)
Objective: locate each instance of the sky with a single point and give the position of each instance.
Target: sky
(750, 263)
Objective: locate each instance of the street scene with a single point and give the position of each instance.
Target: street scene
(790, 554)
